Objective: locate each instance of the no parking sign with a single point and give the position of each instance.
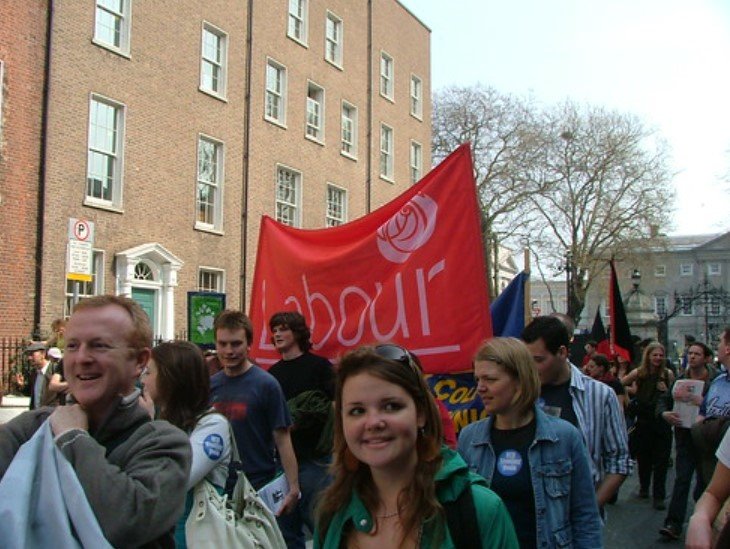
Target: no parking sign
(80, 251)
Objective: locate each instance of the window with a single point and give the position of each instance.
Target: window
(87, 289)
(386, 152)
(686, 306)
(106, 138)
(686, 269)
(416, 97)
(336, 206)
(416, 161)
(660, 305)
(386, 75)
(660, 271)
(208, 203)
(288, 185)
(275, 109)
(315, 112)
(713, 269)
(714, 306)
(111, 25)
(333, 40)
(297, 28)
(213, 61)
(210, 280)
(349, 130)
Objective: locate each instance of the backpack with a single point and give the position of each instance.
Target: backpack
(461, 519)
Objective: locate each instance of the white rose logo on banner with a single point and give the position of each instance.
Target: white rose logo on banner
(408, 230)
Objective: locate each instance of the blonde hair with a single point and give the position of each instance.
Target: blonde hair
(514, 357)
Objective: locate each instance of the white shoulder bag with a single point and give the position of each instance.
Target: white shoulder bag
(243, 521)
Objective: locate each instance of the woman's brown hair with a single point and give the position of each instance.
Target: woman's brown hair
(417, 501)
(183, 383)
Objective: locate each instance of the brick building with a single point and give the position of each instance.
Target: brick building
(174, 125)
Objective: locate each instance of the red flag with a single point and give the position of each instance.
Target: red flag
(620, 333)
(411, 272)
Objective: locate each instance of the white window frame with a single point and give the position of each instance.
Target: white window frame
(220, 64)
(683, 302)
(686, 269)
(416, 161)
(416, 97)
(332, 219)
(300, 14)
(348, 114)
(333, 45)
(386, 152)
(125, 26)
(216, 185)
(86, 289)
(660, 311)
(219, 275)
(296, 205)
(660, 271)
(314, 112)
(387, 76)
(114, 202)
(713, 269)
(278, 96)
(714, 306)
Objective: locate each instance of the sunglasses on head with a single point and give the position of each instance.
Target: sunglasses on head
(398, 354)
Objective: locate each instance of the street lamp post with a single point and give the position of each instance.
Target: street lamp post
(569, 282)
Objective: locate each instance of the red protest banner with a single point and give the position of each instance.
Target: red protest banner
(411, 272)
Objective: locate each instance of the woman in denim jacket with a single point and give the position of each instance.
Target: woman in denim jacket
(536, 463)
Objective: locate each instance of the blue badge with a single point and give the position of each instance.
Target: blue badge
(213, 446)
(509, 463)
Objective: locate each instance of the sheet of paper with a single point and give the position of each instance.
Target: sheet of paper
(274, 492)
(687, 411)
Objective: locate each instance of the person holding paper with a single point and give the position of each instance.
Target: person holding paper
(687, 393)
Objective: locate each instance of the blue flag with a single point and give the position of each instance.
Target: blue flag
(508, 310)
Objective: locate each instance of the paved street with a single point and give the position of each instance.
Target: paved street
(632, 523)
(12, 406)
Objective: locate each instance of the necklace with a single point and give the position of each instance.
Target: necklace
(389, 515)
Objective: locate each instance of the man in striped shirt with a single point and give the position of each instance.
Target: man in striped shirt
(588, 404)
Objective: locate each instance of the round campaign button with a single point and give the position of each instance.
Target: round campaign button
(509, 463)
(213, 446)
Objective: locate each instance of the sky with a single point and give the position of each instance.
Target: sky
(666, 61)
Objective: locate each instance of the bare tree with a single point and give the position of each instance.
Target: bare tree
(566, 180)
(499, 128)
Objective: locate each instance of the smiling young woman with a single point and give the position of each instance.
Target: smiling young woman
(392, 476)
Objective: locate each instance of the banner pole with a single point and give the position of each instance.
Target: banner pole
(528, 287)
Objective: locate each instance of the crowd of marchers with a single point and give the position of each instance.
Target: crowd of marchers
(369, 456)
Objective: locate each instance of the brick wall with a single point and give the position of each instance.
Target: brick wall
(157, 83)
(22, 52)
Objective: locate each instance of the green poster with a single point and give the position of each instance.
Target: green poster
(202, 310)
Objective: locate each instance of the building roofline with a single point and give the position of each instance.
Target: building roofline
(424, 25)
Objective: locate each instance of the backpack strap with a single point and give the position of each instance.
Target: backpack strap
(461, 520)
(122, 437)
